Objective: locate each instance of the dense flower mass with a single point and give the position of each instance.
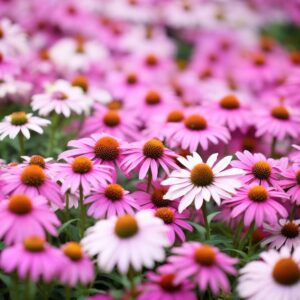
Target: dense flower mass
(150, 149)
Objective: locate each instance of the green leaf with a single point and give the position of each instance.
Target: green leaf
(211, 216)
(66, 225)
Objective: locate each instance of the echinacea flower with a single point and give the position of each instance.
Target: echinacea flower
(154, 198)
(258, 169)
(110, 200)
(118, 123)
(45, 163)
(257, 203)
(76, 267)
(285, 233)
(81, 172)
(100, 147)
(33, 181)
(291, 182)
(22, 216)
(60, 97)
(206, 265)
(175, 221)
(20, 122)
(163, 286)
(275, 276)
(142, 238)
(33, 259)
(197, 130)
(147, 156)
(230, 112)
(279, 122)
(201, 181)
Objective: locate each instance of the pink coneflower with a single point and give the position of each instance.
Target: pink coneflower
(142, 238)
(175, 221)
(147, 157)
(45, 163)
(102, 148)
(110, 200)
(163, 286)
(279, 121)
(291, 182)
(62, 98)
(154, 198)
(33, 181)
(117, 123)
(205, 264)
(82, 172)
(151, 101)
(22, 216)
(33, 258)
(285, 233)
(76, 267)
(20, 122)
(230, 112)
(274, 276)
(258, 203)
(197, 130)
(258, 169)
(201, 181)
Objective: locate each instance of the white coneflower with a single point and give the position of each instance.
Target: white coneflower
(201, 181)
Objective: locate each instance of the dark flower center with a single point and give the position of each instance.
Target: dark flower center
(114, 192)
(202, 175)
(37, 160)
(286, 272)
(18, 118)
(195, 122)
(290, 230)
(205, 255)
(33, 175)
(34, 244)
(20, 204)
(258, 193)
(73, 251)
(81, 81)
(126, 226)
(157, 197)
(111, 119)
(153, 149)
(166, 214)
(230, 102)
(153, 98)
(82, 165)
(107, 148)
(166, 282)
(175, 116)
(261, 170)
(280, 112)
(131, 79)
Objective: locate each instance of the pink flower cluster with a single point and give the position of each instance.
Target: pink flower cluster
(158, 140)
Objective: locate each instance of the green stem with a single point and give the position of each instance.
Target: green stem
(206, 223)
(238, 233)
(149, 181)
(67, 205)
(248, 236)
(82, 212)
(27, 294)
(67, 293)
(293, 212)
(21, 144)
(273, 147)
(14, 287)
